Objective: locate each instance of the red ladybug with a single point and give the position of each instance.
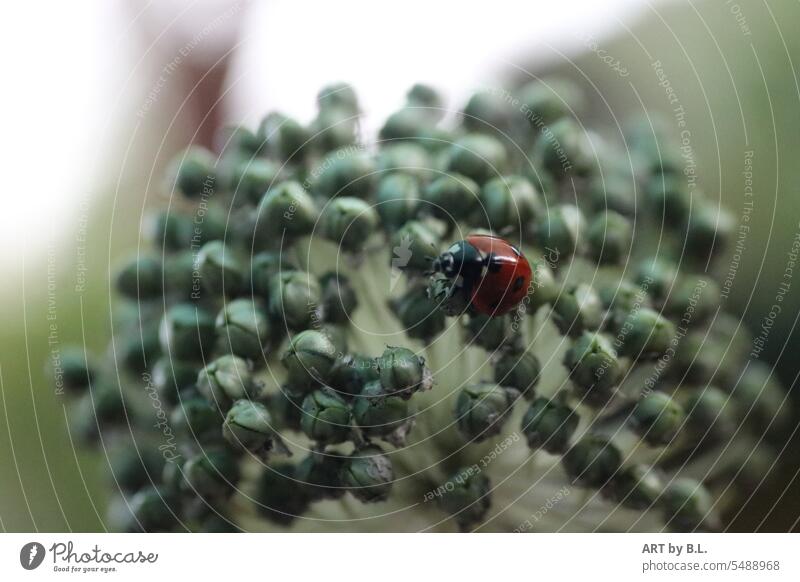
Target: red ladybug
(492, 274)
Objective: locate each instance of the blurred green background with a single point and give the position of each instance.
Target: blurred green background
(732, 66)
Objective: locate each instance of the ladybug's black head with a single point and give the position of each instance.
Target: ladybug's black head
(460, 259)
(445, 264)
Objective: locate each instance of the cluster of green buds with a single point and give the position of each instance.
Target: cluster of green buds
(283, 357)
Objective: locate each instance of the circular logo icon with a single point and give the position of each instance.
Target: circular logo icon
(31, 555)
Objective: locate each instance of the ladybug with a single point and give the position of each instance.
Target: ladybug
(490, 273)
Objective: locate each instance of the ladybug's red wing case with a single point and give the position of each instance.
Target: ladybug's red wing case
(506, 279)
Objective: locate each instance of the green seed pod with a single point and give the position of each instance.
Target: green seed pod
(646, 334)
(635, 487)
(210, 222)
(195, 420)
(368, 474)
(614, 193)
(186, 332)
(409, 159)
(479, 157)
(263, 267)
(349, 222)
(467, 497)
(347, 172)
(509, 203)
(594, 368)
(657, 276)
(280, 496)
(545, 102)
(421, 95)
(294, 300)
(140, 279)
(697, 360)
(564, 149)
(491, 333)
(549, 425)
(657, 418)
(221, 272)
(252, 178)
(577, 310)
(309, 359)
(320, 475)
(708, 411)
(351, 373)
(285, 209)
(338, 96)
(152, 509)
(137, 348)
(558, 231)
(326, 417)
(414, 246)
(408, 123)
(338, 298)
(171, 377)
(687, 506)
(171, 231)
(287, 407)
(248, 425)
(227, 379)
(488, 112)
(610, 238)
(420, 315)
(180, 277)
(450, 198)
(693, 301)
(212, 474)
(102, 407)
(195, 172)
(545, 287)
(380, 415)
(396, 199)
(337, 334)
(621, 299)
(334, 129)
(708, 232)
(135, 465)
(243, 329)
(482, 409)
(402, 372)
(285, 138)
(649, 138)
(241, 140)
(592, 462)
(668, 198)
(74, 369)
(759, 399)
(520, 371)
